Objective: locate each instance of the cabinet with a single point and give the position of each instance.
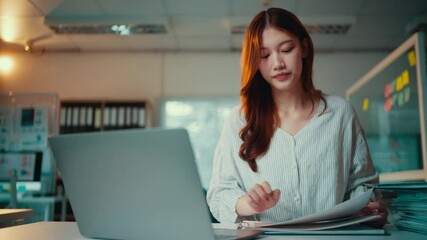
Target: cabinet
(87, 116)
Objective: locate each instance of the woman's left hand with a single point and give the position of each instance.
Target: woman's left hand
(379, 208)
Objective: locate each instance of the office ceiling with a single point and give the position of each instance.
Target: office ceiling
(199, 25)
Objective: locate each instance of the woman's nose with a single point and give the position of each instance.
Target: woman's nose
(279, 62)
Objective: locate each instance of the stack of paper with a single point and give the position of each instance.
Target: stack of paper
(408, 207)
(340, 219)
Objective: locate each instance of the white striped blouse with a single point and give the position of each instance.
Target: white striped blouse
(325, 163)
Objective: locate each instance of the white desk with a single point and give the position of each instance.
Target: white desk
(69, 231)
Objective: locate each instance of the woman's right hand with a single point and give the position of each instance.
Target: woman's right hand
(259, 198)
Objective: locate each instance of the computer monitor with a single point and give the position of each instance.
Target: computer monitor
(390, 103)
(26, 166)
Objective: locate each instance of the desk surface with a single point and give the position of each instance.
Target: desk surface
(9, 215)
(69, 231)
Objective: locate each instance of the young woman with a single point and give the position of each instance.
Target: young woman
(289, 150)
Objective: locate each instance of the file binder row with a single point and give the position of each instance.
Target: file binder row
(119, 115)
(98, 116)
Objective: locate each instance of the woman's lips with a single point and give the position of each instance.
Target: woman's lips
(281, 76)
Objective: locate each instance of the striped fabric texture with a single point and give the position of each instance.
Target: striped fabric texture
(322, 165)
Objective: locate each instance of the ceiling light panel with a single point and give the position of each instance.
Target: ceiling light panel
(118, 29)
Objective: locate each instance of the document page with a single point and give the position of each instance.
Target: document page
(344, 209)
(337, 215)
(340, 219)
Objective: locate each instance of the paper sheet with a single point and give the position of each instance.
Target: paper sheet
(344, 209)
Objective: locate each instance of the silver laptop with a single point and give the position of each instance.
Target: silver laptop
(135, 184)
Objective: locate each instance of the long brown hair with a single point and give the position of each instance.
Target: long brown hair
(256, 98)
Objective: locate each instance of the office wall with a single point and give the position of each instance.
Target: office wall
(152, 76)
(87, 76)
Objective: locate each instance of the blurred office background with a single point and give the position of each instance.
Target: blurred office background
(180, 59)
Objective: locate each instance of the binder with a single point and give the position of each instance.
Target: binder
(135, 115)
(98, 119)
(82, 119)
(62, 119)
(141, 117)
(128, 117)
(121, 117)
(89, 119)
(113, 118)
(106, 118)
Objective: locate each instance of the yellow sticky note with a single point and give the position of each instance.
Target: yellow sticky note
(412, 59)
(405, 78)
(365, 104)
(399, 83)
